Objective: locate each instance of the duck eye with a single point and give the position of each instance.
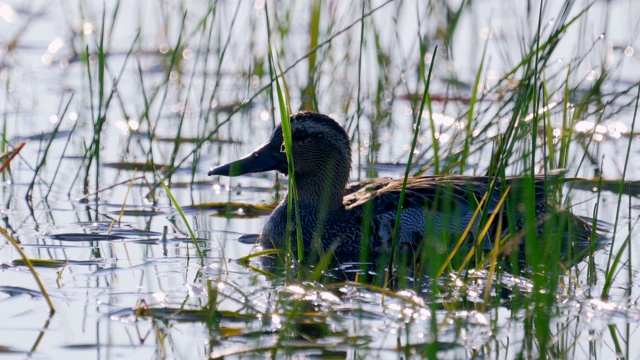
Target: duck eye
(282, 149)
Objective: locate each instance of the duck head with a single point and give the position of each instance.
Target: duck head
(320, 147)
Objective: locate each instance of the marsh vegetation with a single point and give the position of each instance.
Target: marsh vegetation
(116, 243)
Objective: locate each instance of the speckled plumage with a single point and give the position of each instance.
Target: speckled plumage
(435, 207)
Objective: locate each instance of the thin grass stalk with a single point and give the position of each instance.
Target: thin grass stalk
(145, 114)
(434, 140)
(292, 201)
(113, 20)
(541, 53)
(544, 288)
(221, 57)
(64, 151)
(548, 147)
(363, 257)
(611, 266)
(396, 227)
(7, 157)
(309, 100)
(591, 266)
(184, 220)
(629, 257)
(99, 118)
(368, 206)
(173, 61)
(33, 271)
(45, 151)
(176, 141)
(62, 269)
(470, 114)
(533, 250)
(485, 230)
(88, 154)
(285, 113)
(566, 135)
(124, 203)
(5, 120)
(464, 235)
(493, 264)
(250, 99)
(207, 27)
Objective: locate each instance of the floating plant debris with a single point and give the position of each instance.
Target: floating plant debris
(139, 166)
(84, 237)
(196, 140)
(178, 314)
(615, 186)
(53, 263)
(42, 136)
(248, 238)
(136, 212)
(232, 209)
(17, 290)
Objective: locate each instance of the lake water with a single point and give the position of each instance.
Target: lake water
(74, 69)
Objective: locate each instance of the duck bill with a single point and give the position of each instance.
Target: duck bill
(259, 160)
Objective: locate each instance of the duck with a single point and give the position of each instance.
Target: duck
(350, 220)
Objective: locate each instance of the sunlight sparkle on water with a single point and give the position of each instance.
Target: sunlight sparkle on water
(442, 138)
(327, 296)
(584, 126)
(46, 59)
(276, 320)
(629, 51)
(485, 33)
(592, 75)
(164, 48)
(161, 298)
(87, 27)
(133, 124)
(296, 289)
(7, 13)
(601, 129)
(122, 126)
(541, 111)
(55, 45)
(615, 129)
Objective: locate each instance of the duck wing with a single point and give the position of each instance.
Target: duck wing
(437, 190)
(421, 191)
(438, 205)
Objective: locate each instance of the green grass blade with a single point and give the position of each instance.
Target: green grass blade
(184, 220)
(26, 260)
(396, 228)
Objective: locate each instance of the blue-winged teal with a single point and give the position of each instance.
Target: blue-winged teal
(335, 214)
